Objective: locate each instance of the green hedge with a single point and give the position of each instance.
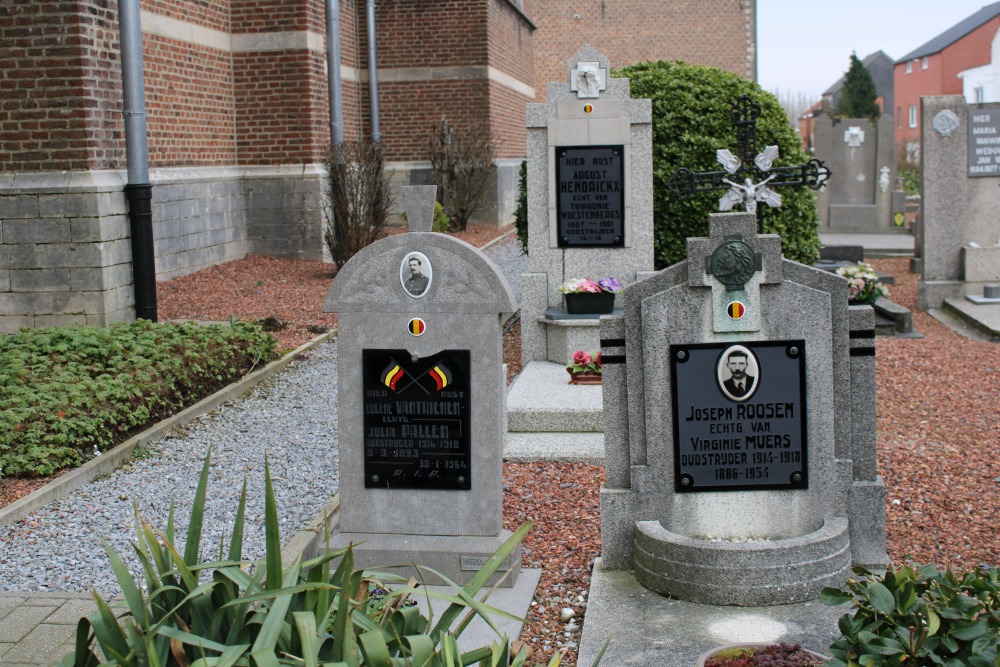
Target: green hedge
(66, 391)
(691, 120)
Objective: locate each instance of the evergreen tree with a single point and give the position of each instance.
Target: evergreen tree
(857, 97)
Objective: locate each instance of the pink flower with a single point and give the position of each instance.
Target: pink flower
(588, 285)
(598, 359)
(581, 358)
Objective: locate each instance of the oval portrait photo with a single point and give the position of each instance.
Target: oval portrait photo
(738, 373)
(415, 274)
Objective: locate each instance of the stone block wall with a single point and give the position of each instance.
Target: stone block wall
(65, 254)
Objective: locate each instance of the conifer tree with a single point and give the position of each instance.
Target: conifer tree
(857, 97)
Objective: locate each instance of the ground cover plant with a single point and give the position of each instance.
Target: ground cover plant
(67, 394)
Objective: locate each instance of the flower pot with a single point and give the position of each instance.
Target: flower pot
(583, 377)
(590, 303)
(704, 657)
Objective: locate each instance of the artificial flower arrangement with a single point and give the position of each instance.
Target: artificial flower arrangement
(584, 368)
(585, 362)
(863, 285)
(588, 286)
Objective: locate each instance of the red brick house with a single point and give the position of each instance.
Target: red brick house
(933, 68)
(238, 117)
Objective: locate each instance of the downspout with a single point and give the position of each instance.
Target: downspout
(138, 191)
(333, 72)
(373, 72)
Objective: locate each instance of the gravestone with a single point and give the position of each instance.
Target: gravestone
(421, 401)
(958, 241)
(863, 197)
(590, 215)
(590, 200)
(739, 422)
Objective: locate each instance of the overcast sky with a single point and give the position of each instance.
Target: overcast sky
(805, 47)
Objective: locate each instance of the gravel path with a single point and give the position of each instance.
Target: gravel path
(290, 418)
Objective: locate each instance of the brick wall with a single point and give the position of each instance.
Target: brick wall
(719, 33)
(461, 62)
(190, 109)
(236, 100)
(61, 86)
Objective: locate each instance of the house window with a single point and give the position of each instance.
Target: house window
(913, 115)
(980, 94)
(923, 63)
(909, 66)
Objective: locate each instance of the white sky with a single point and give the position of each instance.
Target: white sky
(806, 46)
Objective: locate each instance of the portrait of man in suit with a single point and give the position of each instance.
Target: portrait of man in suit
(741, 368)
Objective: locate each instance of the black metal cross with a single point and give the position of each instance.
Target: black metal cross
(748, 176)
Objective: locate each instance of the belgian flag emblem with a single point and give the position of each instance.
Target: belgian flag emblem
(391, 375)
(416, 326)
(736, 310)
(441, 375)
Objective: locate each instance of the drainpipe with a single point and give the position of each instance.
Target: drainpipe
(138, 191)
(333, 72)
(373, 72)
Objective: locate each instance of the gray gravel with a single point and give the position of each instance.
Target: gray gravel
(290, 418)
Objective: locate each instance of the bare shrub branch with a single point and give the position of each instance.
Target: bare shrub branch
(462, 165)
(359, 198)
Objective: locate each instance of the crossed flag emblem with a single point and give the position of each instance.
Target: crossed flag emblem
(394, 377)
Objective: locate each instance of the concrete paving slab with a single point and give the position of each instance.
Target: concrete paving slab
(653, 631)
(541, 399)
(575, 447)
(72, 611)
(42, 646)
(19, 622)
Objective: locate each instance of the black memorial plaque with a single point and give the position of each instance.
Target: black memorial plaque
(591, 196)
(733, 437)
(417, 420)
(984, 142)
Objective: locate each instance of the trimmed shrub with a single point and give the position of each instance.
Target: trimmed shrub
(691, 120)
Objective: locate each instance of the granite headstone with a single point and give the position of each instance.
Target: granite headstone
(421, 401)
(739, 410)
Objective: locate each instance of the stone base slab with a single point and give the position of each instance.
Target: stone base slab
(643, 628)
(456, 557)
(745, 574)
(542, 400)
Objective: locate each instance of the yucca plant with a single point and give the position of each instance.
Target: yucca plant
(193, 613)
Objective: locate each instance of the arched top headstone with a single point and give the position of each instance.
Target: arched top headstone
(420, 271)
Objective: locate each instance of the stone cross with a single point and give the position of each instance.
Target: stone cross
(754, 173)
(734, 264)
